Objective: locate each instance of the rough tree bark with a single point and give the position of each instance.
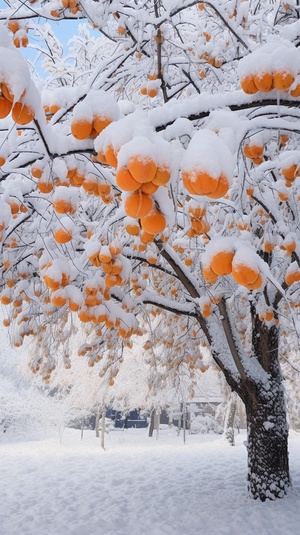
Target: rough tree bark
(268, 459)
(267, 444)
(267, 441)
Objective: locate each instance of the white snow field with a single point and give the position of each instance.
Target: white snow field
(138, 486)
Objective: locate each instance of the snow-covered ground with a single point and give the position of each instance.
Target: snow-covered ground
(138, 486)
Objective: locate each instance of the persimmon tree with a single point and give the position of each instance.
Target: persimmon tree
(152, 186)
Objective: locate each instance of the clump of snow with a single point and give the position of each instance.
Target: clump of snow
(217, 245)
(180, 127)
(14, 72)
(256, 139)
(208, 153)
(292, 268)
(126, 106)
(290, 239)
(62, 97)
(57, 268)
(139, 146)
(246, 256)
(5, 214)
(228, 125)
(68, 224)
(74, 294)
(67, 194)
(59, 168)
(5, 40)
(288, 158)
(99, 104)
(82, 111)
(276, 55)
(92, 247)
(122, 131)
(103, 105)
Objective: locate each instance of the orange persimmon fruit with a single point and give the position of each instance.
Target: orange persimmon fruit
(138, 204)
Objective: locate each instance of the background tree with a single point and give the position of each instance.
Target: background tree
(153, 187)
(27, 412)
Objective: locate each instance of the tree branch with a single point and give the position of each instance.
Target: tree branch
(230, 339)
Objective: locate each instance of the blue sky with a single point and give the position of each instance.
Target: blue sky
(63, 29)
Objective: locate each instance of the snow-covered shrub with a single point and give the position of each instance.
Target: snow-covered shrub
(204, 424)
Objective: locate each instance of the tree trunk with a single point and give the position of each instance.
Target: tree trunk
(97, 423)
(151, 425)
(267, 444)
(267, 441)
(229, 419)
(103, 427)
(261, 390)
(154, 422)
